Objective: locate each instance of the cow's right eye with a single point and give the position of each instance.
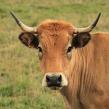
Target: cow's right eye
(40, 52)
(40, 49)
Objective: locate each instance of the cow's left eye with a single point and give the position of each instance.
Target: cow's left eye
(69, 54)
(69, 49)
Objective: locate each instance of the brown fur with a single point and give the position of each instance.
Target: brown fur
(54, 37)
(89, 74)
(87, 70)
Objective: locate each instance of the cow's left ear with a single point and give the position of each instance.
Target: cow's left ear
(81, 39)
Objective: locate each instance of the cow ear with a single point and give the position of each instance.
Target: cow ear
(81, 39)
(29, 39)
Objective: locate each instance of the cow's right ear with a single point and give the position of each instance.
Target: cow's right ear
(29, 39)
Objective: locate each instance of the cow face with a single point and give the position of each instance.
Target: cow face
(54, 41)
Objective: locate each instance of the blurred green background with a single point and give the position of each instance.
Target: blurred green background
(20, 77)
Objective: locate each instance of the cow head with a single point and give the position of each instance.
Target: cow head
(55, 41)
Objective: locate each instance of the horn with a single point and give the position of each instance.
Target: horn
(89, 28)
(23, 26)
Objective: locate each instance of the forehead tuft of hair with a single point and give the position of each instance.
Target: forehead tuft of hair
(55, 25)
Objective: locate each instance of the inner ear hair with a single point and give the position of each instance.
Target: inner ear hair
(81, 39)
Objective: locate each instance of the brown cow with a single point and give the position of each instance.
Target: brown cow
(73, 60)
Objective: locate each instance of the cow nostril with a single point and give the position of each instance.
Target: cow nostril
(47, 78)
(60, 78)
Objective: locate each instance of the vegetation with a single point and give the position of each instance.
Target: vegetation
(20, 77)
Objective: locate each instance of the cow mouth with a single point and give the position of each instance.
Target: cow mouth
(55, 88)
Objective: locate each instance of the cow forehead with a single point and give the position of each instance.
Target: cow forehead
(55, 33)
(55, 25)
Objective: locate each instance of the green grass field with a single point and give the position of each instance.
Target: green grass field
(20, 77)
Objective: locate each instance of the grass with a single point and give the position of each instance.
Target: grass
(20, 77)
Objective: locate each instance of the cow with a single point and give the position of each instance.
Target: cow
(73, 60)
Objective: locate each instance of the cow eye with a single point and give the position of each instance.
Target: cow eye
(69, 49)
(40, 52)
(40, 49)
(69, 53)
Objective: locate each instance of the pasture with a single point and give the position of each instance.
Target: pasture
(20, 76)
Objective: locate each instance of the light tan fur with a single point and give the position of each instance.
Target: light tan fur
(87, 71)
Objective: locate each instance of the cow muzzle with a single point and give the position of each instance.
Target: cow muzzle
(54, 81)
